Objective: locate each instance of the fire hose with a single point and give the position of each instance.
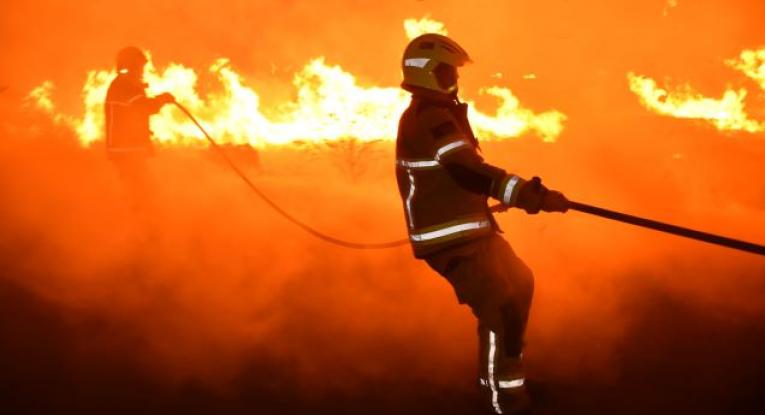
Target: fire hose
(581, 207)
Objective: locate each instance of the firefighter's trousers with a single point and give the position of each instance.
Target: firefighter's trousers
(496, 284)
(136, 180)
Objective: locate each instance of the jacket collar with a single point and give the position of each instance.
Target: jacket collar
(433, 97)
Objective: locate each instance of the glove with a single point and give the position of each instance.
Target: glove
(166, 98)
(531, 196)
(554, 201)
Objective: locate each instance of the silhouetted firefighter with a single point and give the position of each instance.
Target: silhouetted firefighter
(444, 184)
(128, 138)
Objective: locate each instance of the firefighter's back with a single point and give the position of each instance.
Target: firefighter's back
(127, 122)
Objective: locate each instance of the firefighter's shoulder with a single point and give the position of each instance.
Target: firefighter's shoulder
(122, 90)
(438, 122)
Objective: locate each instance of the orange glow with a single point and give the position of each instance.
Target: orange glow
(417, 27)
(752, 64)
(671, 4)
(330, 105)
(655, 108)
(727, 113)
(41, 97)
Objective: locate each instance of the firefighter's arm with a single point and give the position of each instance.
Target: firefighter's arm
(458, 154)
(151, 105)
(456, 151)
(460, 157)
(469, 170)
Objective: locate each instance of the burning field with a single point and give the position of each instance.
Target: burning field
(207, 301)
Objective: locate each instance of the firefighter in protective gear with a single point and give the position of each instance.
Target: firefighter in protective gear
(444, 184)
(127, 111)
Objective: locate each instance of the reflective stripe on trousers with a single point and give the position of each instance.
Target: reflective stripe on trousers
(504, 384)
(492, 384)
(502, 376)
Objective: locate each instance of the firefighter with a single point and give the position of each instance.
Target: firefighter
(444, 185)
(127, 111)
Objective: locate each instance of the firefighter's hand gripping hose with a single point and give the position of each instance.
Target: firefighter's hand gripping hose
(581, 207)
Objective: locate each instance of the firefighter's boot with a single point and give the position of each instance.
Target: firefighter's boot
(501, 379)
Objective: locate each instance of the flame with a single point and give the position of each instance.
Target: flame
(671, 4)
(417, 27)
(329, 105)
(41, 97)
(752, 64)
(512, 120)
(726, 113)
(90, 127)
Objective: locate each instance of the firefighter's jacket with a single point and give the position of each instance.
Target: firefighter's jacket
(127, 110)
(443, 181)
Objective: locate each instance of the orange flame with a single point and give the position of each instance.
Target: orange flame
(752, 64)
(41, 98)
(671, 4)
(330, 105)
(727, 113)
(417, 27)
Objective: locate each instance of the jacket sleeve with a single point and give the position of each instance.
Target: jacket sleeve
(143, 103)
(458, 154)
(135, 99)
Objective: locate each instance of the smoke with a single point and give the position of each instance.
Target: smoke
(207, 302)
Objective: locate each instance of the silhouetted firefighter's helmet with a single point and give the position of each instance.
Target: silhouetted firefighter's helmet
(428, 54)
(130, 59)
